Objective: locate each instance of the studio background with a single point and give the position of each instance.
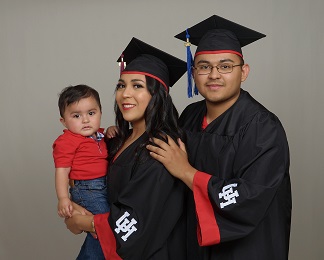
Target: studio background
(46, 45)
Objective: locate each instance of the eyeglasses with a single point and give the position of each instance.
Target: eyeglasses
(221, 68)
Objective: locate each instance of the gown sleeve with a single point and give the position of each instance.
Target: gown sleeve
(145, 213)
(231, 208)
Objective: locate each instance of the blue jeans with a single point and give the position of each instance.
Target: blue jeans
(92, 195)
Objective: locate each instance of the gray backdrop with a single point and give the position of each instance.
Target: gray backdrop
(47, 45)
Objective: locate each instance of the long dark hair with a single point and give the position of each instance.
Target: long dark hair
(161, 118)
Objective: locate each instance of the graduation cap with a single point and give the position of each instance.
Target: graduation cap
(142, 58)
(217, 35)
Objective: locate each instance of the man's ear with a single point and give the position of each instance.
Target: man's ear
(245, 72)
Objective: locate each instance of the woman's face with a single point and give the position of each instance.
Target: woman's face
(132, 97)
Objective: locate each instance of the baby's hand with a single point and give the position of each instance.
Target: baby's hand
(112, 131)
(64, 208)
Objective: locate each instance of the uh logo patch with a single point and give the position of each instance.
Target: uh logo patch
(125, 226)
(228, 194)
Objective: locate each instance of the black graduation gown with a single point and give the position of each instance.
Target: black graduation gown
(147, 198)
(242, 195)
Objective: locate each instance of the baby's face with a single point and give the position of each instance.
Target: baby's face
(82, 117)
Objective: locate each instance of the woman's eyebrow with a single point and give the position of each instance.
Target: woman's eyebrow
(134, 80)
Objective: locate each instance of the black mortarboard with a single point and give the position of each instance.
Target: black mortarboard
(216, 35)
(145, 59)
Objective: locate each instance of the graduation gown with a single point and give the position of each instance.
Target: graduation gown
(240, 207)
(146, 219)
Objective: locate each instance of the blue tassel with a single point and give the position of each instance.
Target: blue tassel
(189, 64)
(196, 90)
(189, 67)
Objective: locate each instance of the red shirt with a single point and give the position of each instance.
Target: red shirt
(86, 156)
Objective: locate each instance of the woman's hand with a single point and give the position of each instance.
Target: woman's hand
(79, 209)
(79, 223)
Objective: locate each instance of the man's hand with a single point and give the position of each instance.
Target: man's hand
(174, 158)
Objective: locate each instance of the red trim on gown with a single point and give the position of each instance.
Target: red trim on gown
(106, 237)
(207, 228)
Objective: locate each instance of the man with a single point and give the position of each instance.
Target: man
(238, 168)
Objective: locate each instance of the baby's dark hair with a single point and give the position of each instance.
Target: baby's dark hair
(72, 94)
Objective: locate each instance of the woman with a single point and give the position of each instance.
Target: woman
(146, 218)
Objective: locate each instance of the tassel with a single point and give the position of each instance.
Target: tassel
(196, 90)
(121, 63)
(189, 67)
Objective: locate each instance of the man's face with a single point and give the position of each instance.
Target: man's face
(217, 88)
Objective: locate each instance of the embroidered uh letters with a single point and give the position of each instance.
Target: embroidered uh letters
(125, 226)
(228, 194)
